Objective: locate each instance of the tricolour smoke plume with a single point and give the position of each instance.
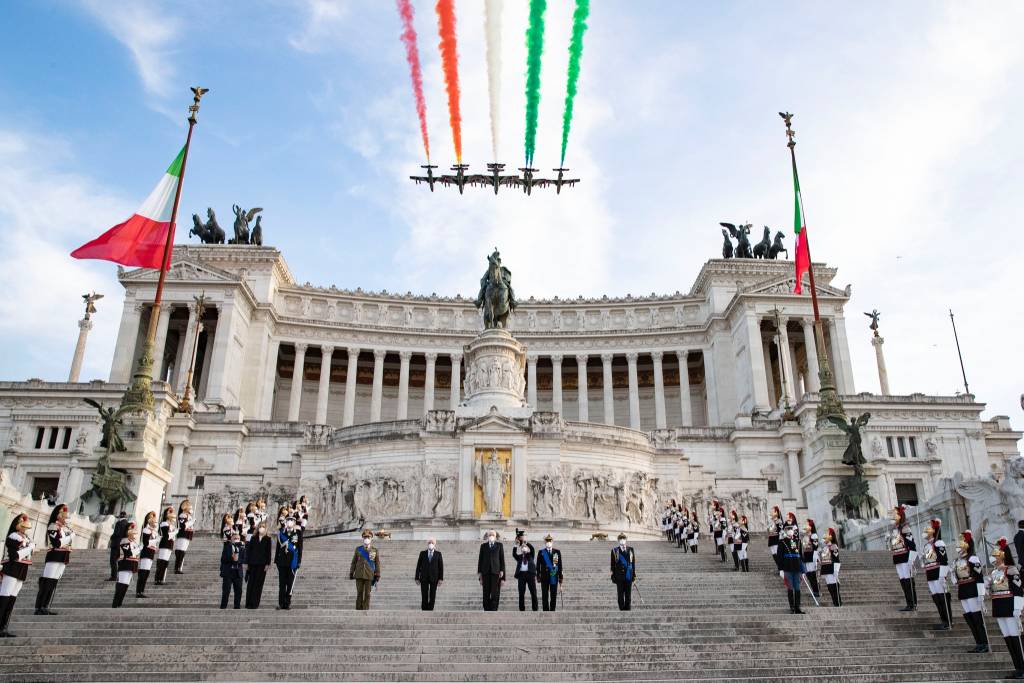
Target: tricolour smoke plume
(534, 49)
(412, 55)
(579, 26)
(450, 64)
(492, 32)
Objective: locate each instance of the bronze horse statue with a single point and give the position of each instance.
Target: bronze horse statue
(496, 298)
(762, 247)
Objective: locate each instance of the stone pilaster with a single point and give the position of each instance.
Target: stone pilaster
(428, 383)
(350, 387)
(456, 381)
(634, 392)
(324, 389)
(270, 380)
(404, 358)
(659, 391)
(785, 360)
(608, 388)
(377, 396)
(581, 388)
(556, 383)
(531, 381)
(685, 406)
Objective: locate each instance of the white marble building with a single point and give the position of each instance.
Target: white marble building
(352, 398)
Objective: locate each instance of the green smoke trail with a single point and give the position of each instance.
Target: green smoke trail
(534, 49)
(579, 26)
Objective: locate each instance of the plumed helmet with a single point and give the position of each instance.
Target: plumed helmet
(1004, 548)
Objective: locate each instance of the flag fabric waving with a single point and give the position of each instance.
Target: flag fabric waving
(140, 240)
(803, 258)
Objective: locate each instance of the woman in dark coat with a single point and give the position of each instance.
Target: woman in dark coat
(258, 555)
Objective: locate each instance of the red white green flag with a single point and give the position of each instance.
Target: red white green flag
(141, 239)
(803, 255)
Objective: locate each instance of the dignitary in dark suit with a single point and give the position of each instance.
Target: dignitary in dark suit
(258, 552)
(549, 573)
(429, 574)
(232, 570)
(526, 569)
(624, 572)
(490, 570)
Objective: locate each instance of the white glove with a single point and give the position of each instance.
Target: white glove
(782, 574)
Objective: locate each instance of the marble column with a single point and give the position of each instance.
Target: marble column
(295, 397)
(531, 381)
(811, 349)
(556, 383)
(161, 340)
(758, 369)
(634, 392)
(456, 381)
(795, 491)
(378, 384)
(684, 389)
(659, 391)
(324, 390)
(351, 374)
(403, 385)
(217, 382)
(202, 384)
(84, 325)
(766, 349)
(581, 388)
(177, 467)
(188, 348)
(835, 360)
(270, 380)
(710, 387)
(124, 350)
(785, 360)
(794, 369)
(843, 351)
(428, 383)
(883, 375)
(607, 388)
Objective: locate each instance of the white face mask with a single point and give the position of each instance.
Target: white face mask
(622, 543)
(290, 524)
(490, 539)
(366, 541)
(549, 545)
(430, 546)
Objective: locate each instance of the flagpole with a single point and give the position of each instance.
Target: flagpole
(828, 399)
(140, 392)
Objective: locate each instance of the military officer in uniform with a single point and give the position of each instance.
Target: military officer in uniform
(970, 590)
(624, 572)
(365, 570)
(1007, 600)
(936, 568)
(286, 557)
(549, 571)
(904, 550)
(791, 567)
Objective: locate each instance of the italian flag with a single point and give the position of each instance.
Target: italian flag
(803, 255)
(141, 239)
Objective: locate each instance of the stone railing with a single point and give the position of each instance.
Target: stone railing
(592, 431)
(273, 428)
(375, 431)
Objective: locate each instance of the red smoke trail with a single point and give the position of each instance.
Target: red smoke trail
(412, 55)
(450, 62)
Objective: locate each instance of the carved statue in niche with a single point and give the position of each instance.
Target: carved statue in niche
(493, 477)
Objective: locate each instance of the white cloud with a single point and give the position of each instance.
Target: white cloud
(149, 35)
(322, 21)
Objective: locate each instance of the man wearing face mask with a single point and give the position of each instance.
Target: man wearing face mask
(365, 570)
(429, 574)
(286, 557)
(232, 562)
(624, 572)
(257, 558)
(490, 570)
(791, 566)
(526, 569)
(549, 567)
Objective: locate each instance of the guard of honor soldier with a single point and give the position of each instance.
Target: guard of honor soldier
(59, 537)
(936, 567)
(18, 549)
(809, 555)
(774, 531)
(904, 550)
(694, 531)
(717, 525)
(970, 590)
(127, 563)
(624, 572)
(168, 529)
(828, 562)
(150, 543)
(365, 570)
(184, 537)
(1007, 601)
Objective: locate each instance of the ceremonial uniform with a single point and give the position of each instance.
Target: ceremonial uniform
(127, 565)
(1007, 601)
(14, 570)
(733, 539)
(286, 557)
(58, 540)
(774, 531)
(791, 568)
(828, 561)
(623, 568)
(809, 555)
(936, 567)
(184, 537)
(694, 532)
(525, 557)
(549, 570)
(904, 550)
(717, 525)
(150, 546)
(168, 530)
(365, 570)
(744, 543)
(666, 520)
(970, 590)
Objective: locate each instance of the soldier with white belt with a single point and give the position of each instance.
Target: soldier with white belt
(58, 538)
(18, 558)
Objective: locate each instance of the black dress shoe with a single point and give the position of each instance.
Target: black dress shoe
(39, 611)
(7, 634)
(141, 595)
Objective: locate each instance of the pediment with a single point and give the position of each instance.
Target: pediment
(786, 285)
(181, 270)
(493, 422)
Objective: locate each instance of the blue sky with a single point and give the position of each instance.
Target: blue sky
(907, 121)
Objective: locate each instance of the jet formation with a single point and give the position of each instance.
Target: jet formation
(495, 178)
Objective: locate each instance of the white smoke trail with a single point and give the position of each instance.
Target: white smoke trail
(492, 30)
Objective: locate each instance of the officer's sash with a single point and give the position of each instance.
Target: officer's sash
(286, 540)
(547, 558)
(627, 566)
(366, 556)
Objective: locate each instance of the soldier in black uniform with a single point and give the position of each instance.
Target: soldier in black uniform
(809, 552)
(791, 567)
(1007, 600)
(936, 568)
(150, 544)
(904, 550)
(58, 539)
(733, 539)
(684, 528)
(184, 537)
(744, 536)
(624, 572)
(168, 530)
(525, 558)
(18, 549)
(694, 529)
(717, 525)
(828, 562)
(970, 590)
(549, 572)
(774, 531)
(127, 563)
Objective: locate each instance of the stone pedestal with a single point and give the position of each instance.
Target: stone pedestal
(495, 376)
